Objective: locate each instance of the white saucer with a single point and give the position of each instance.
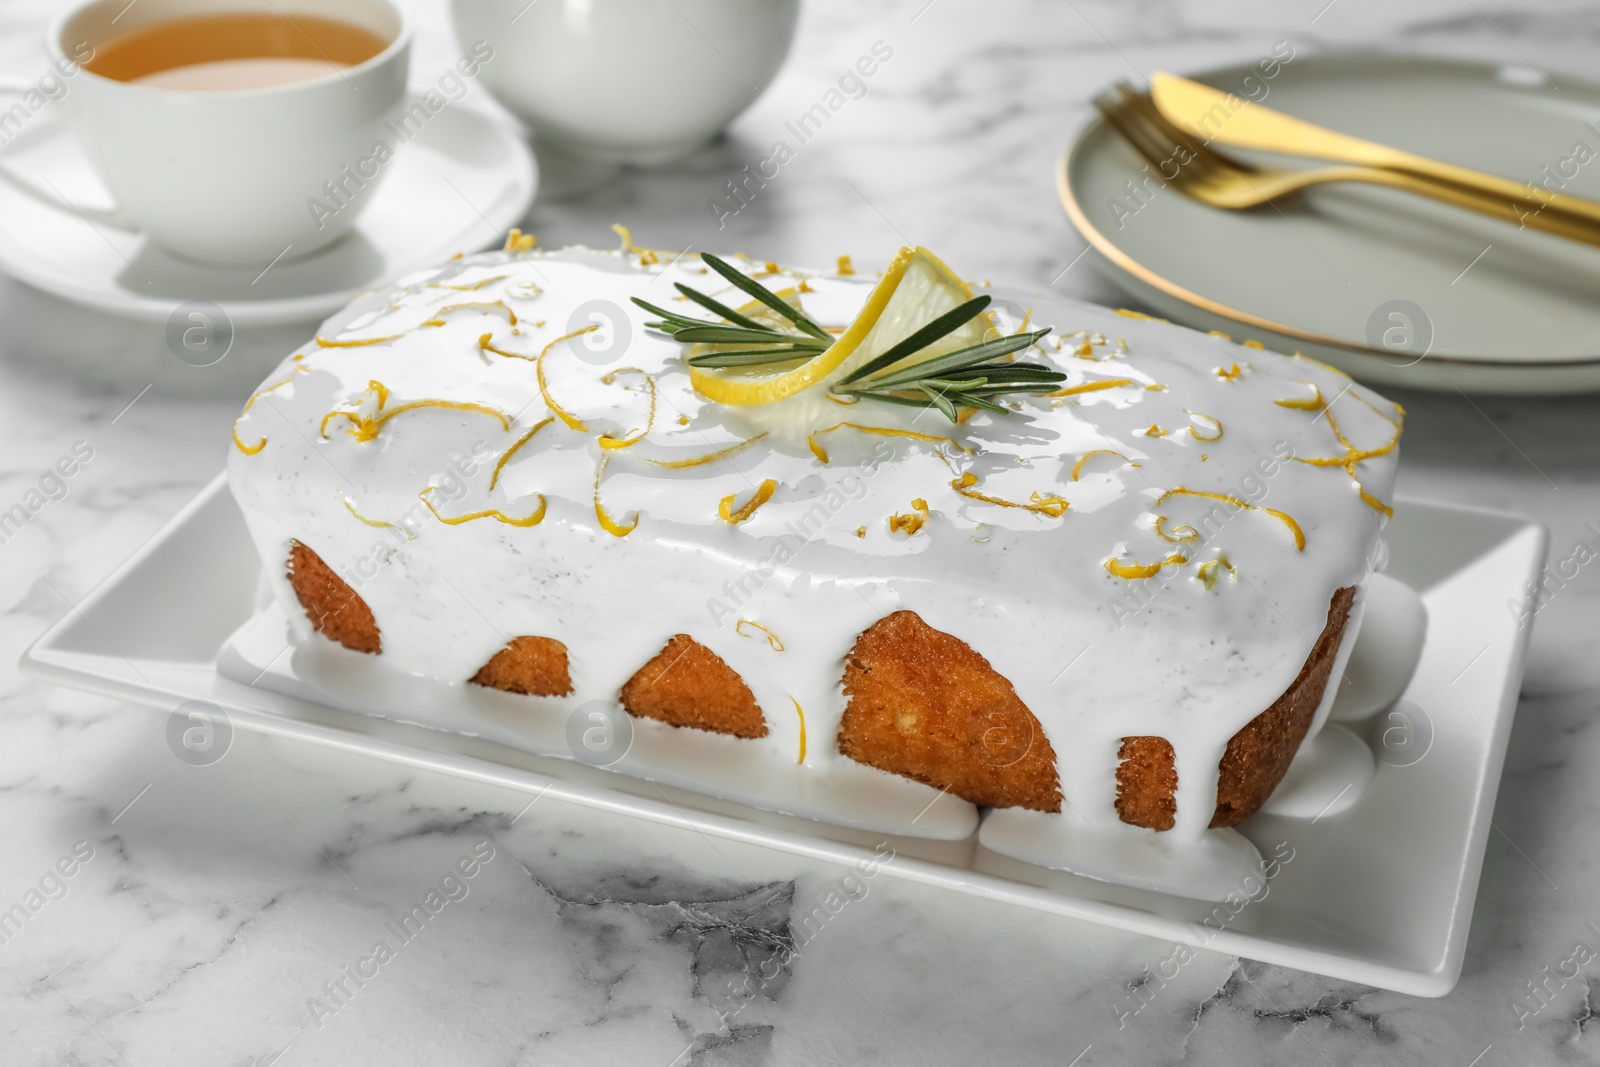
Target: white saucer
(1380, 893)
(1389, 287)
(457, 187)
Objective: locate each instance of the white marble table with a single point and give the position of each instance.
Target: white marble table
(219, 901)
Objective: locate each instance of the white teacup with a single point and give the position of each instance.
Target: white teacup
(230, 176)
(629, 81)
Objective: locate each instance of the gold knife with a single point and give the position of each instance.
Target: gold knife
(1207, 112)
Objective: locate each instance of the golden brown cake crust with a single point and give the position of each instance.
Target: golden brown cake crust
(920, 703)
(1258, 756)
(336, 610)
(1147, 782)
(924, 704)
(532, 666)
(687, 684)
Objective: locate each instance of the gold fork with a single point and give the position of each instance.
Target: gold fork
(1210, 177)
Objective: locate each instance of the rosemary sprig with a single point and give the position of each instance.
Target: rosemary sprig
(775, 345)
(975, 376)
(762, 344)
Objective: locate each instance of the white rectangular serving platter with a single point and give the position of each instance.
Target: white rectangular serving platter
(1380, 894)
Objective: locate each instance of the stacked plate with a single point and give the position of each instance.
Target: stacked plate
(1390, 287)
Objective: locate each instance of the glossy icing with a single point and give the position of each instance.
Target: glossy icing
(479, 467)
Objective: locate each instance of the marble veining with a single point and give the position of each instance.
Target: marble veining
(219, 901)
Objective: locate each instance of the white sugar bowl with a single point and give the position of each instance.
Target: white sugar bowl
(627, 81)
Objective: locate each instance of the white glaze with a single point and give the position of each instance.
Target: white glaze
(1028, 591)
(840, 792)
(1381, 668)
(1329, 774)
(1207, 867)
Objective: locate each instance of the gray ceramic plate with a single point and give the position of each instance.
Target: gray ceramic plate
(1393, 288)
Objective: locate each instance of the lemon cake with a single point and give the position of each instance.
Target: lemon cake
(1033, 553)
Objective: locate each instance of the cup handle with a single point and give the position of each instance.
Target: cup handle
(52, 197)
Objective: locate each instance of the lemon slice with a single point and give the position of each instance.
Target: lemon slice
(916, 289)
